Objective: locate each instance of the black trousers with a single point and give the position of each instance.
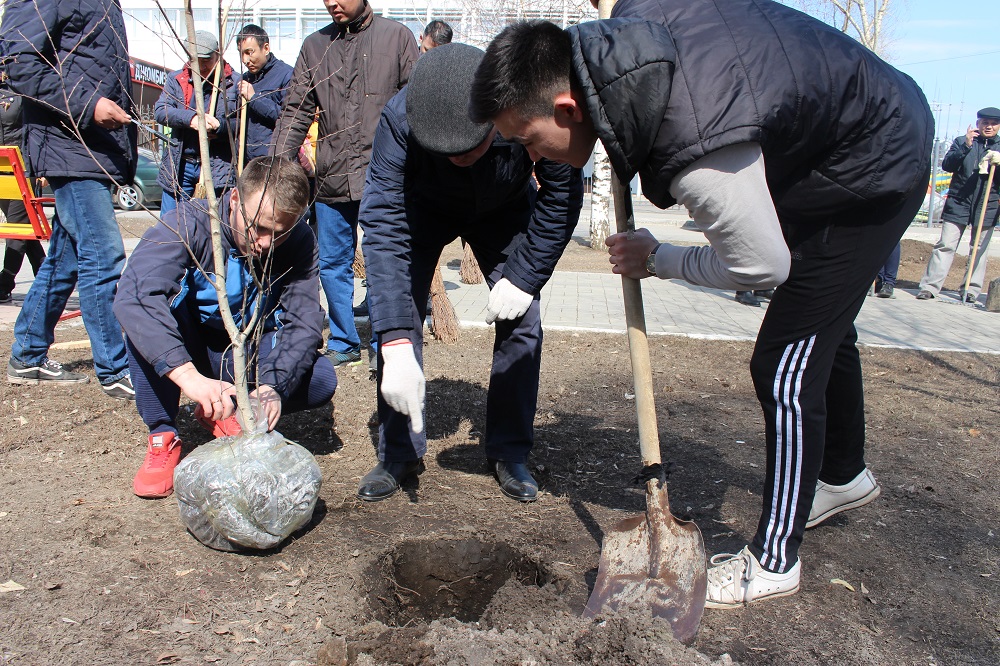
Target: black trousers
(807, 371)
(517, 357)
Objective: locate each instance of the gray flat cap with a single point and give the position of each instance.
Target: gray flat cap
(205, 43)
(989, 112)
(437, 100)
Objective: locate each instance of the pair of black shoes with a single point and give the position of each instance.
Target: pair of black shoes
(386, 478)
(752, 298)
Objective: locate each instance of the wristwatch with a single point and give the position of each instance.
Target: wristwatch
(651, 261)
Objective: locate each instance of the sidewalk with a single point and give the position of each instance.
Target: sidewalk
(593, 302)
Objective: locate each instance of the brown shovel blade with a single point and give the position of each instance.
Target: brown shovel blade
(654, 561)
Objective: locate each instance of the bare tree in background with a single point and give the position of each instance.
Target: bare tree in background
(867, 21)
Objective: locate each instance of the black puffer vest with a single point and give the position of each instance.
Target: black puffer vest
(839, 128)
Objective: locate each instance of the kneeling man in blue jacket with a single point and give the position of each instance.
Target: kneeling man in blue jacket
(435, 175)
(169, 310)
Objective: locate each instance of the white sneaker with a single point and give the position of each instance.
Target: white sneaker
(831, 500)
(734, 580)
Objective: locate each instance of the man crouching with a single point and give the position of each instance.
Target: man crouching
(176, 340)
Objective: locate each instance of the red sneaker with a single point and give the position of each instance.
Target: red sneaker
(156, 476)
(224, 428)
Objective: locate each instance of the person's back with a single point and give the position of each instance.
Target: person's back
(772, 70)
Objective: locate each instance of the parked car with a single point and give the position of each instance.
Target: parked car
(144, 190)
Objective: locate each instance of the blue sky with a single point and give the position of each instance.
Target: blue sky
(952, 50)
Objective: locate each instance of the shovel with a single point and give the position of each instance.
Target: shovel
(652, 561)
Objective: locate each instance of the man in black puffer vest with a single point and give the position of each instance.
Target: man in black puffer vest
(964, 206)
(801, 155)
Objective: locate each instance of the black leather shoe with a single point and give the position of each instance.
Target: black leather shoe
(384, 480)
(747, 298)
(764, 293)
(515, 480)
(969, 298)
(924, 295)
(885, 291)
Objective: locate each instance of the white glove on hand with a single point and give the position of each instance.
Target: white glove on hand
(507, 302)
(403, 383)
(991, 157)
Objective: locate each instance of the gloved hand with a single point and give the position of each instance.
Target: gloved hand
(403, 382)
(506, 302)
(991, 157)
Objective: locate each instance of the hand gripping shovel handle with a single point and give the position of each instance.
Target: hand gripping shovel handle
(635, 320)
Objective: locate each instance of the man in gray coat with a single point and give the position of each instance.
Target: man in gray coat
(344, 75)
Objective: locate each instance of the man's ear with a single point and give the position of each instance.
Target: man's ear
(568, 109)
(266, 48)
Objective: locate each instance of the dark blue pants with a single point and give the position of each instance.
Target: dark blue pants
(517, 358)
(158, 399)
(890, 269)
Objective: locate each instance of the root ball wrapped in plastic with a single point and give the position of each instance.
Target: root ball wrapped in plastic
(247, 492)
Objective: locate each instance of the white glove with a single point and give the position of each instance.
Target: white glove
(991, 157)
(403, 383)
(507, 302)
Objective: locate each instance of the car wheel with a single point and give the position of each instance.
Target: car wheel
(129, 197)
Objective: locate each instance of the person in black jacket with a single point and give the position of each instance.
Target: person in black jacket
(435, 176)
(801, 155)
(964, 206)
(170, 312)
(13, 209)
(263, 87)
(69, 62)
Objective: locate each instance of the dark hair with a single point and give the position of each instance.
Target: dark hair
(439, 32)
(524, 67)
(283, 180)
(255, 31)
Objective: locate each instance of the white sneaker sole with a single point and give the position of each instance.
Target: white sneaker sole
(833, 511)
(739, 604)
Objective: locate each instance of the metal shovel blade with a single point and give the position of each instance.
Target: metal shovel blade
(654, 561)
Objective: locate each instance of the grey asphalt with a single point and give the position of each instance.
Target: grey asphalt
(593, 302)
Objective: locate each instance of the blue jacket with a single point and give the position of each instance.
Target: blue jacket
(270, 85)
(176, 107)
(161, 276)
(88, 38)
(415, 197)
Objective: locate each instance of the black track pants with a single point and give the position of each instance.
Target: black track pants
(807, 371)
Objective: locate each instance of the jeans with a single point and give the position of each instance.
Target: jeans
(944, 253)
(890, 269)
(337, 235)
(185, 190)
(86, 245)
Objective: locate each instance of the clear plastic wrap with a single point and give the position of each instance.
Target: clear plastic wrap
(247, 492)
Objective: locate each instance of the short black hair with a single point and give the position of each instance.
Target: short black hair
(439, 32)
(255, 31)
(524, 67)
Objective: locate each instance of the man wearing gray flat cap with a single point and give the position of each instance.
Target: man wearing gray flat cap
(964, 205)
(435, 175)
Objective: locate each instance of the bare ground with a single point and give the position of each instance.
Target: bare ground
(449, 572)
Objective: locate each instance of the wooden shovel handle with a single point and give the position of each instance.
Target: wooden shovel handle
(635, 320)
(979, 229)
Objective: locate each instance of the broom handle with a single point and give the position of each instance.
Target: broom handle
(243, 137)
(979, 229)
(638, 345)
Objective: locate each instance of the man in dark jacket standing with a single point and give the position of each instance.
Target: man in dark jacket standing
(177, 342)
(345, 73)
(435, 176)
(264, 87)
(964, 206)
(802, 157)
(78, 131)
(180, 164)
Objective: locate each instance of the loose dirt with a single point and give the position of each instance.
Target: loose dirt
(450, 572)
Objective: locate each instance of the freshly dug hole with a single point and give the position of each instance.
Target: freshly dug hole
(425, 580)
